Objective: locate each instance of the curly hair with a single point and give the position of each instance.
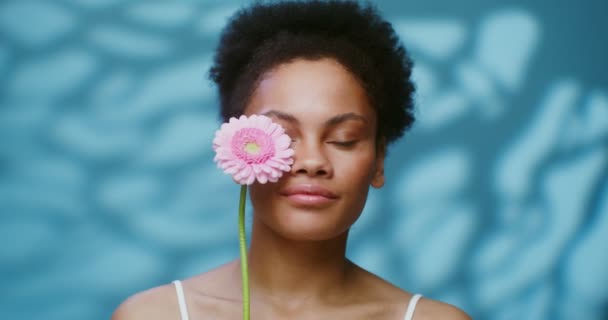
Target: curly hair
(264, 35)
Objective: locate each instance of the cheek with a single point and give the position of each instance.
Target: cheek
(359, 169)
(259, 194)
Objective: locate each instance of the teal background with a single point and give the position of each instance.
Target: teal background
(496, 201)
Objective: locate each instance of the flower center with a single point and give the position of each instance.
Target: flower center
(252, 148)
(252, 145)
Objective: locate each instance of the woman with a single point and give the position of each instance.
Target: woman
(335, 76)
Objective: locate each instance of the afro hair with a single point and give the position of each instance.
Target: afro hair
(262, 36)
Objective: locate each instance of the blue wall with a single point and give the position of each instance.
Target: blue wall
(497, 200)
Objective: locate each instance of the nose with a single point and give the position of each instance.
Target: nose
(311, 159)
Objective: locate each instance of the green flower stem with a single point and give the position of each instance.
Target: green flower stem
(243, 245)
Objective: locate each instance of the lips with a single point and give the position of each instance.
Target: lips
(308, 195)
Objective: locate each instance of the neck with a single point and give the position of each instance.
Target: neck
(296, 270)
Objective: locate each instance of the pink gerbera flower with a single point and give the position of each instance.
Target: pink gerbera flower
(253, 148)
(250, 149)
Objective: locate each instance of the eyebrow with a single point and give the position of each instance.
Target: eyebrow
(333, 121)
(345, 117)
(281, 115)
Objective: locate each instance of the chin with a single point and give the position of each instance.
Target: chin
(309, 235)
(300, 225)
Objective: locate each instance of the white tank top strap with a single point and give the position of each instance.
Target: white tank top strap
(181, 300)
(409, 314)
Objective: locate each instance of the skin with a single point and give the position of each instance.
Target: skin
(298, 268)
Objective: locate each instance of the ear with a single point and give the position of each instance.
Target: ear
(378, 178)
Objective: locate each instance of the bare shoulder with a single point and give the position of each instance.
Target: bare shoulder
(156, 303)
(433, 309)
(206, 293)
(397, 299)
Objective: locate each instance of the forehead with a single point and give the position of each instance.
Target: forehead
(310, 89)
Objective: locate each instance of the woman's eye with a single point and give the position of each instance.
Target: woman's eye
(344, 144)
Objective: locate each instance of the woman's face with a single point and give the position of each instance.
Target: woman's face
(325, 111)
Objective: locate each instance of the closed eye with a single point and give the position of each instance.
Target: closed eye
(344, 144)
